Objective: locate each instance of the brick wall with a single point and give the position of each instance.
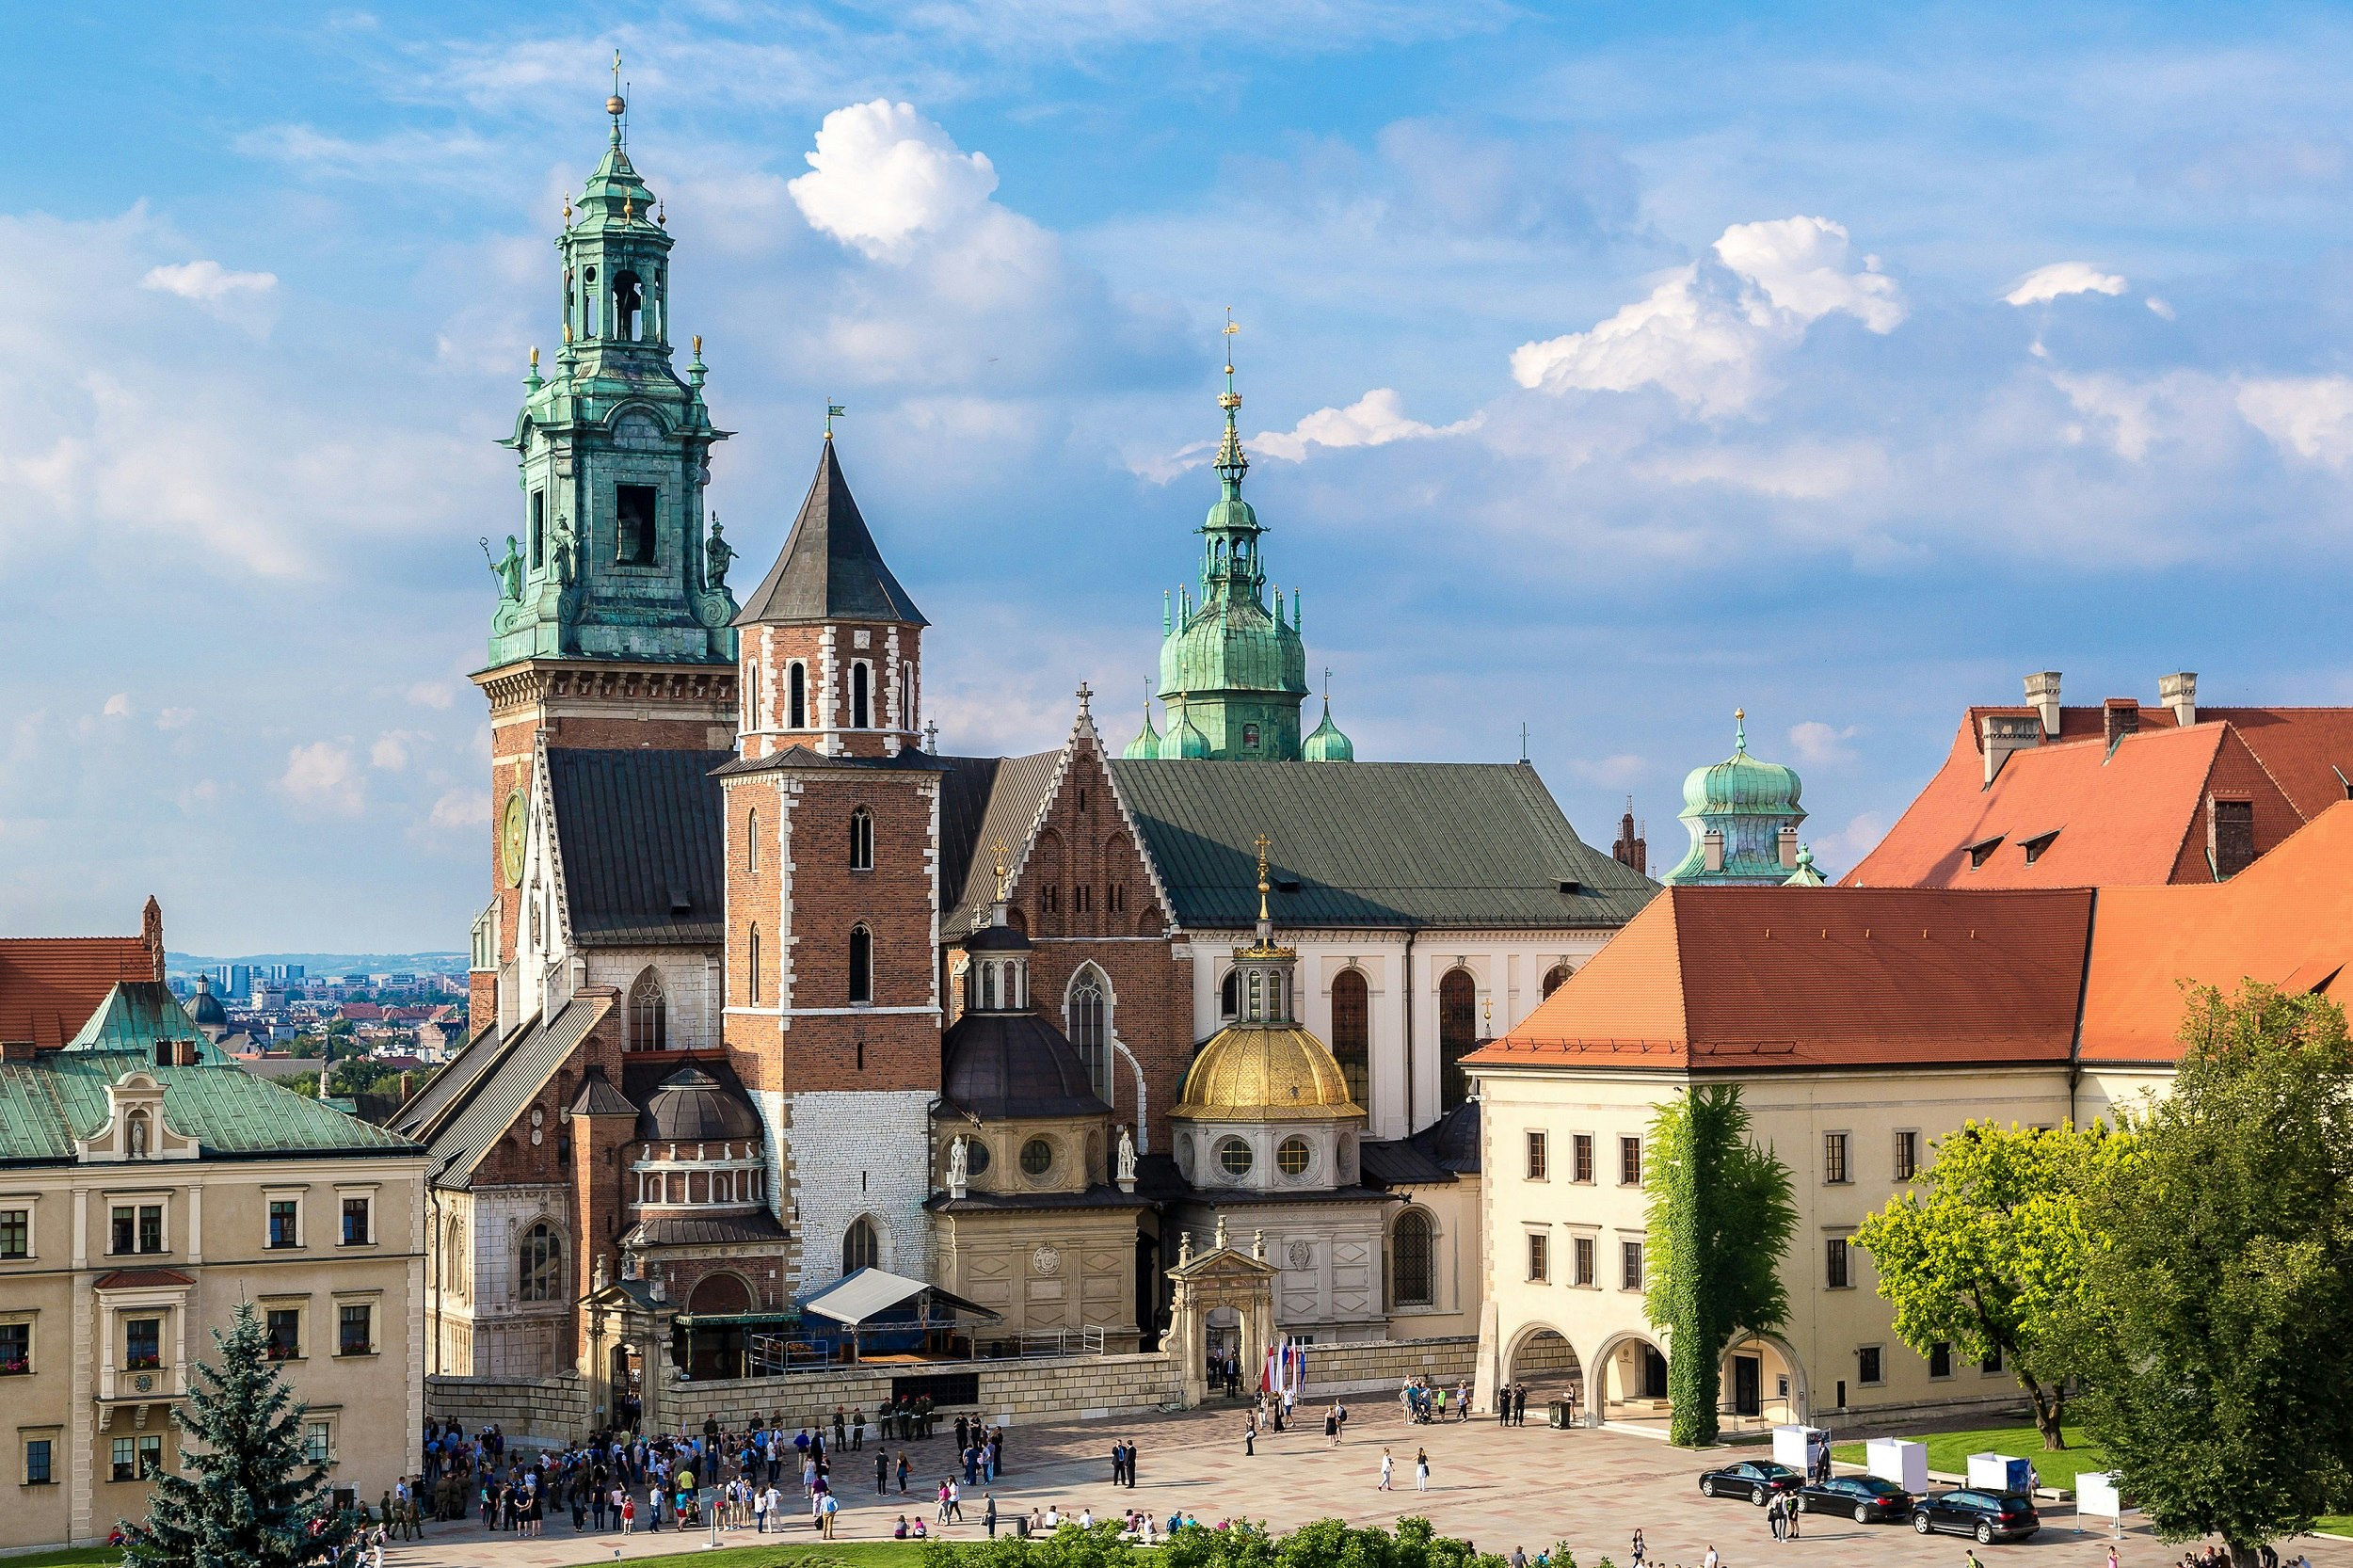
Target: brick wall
(828, 654)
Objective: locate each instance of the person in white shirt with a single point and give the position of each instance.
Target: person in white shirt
(760, 1512)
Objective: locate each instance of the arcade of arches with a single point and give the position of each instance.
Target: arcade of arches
(1763, 1384)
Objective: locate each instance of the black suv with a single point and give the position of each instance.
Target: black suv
(1756, 1479)
(1869, 1498)
(1989, 1516)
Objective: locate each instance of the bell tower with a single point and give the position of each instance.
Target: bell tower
(612, 624)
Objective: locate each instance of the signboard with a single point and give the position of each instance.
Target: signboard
(1999, 1473)
(1905, 1463)
(1797, 1447)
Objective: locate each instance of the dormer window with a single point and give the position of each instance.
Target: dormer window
(2036, 845)
(1983, 848)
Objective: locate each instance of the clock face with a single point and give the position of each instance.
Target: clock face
(511, 841)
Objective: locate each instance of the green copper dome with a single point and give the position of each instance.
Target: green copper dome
(1185, 741)
(1741, 783)
(1146, 746)
(1327, 744)
(1739, 812)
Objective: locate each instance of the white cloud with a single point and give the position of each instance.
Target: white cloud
(2179, 408)
(461, 808)
(1839, 851)
(431, 694)
(119, 706)
(2158, 306)
(1706, 330)
(2046, 283)
(1375, 418)
(882, 175)
(325, 776)
(1818, 744)
(206, 282)
(175, 718)
(2309, 415)
(391, 751)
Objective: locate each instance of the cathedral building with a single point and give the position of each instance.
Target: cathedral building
(772, 991)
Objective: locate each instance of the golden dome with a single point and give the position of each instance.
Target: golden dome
(1265, 1073)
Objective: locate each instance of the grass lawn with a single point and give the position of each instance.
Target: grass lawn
(65, 1557)
(1950, 1452)
(851, 1554)
(2334, 1524)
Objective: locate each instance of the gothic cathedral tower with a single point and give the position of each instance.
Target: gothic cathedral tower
(613, 628)
(833, 1006)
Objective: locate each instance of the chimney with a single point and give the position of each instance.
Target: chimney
(2004, 733)
(2119, 716)
(1788, 845)
(2043, 695)
(2179, 693)
(1712, 849)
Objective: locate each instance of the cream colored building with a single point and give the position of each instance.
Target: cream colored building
(149, 1186)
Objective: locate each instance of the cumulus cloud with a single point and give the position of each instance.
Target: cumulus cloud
(2163, 311)
(882, 176)
(391, 750)
(2046, 283)
(1818, 744)
(431, 694)
(2311, 415)
(461, 809)
(1836, 852)
(206, 282)
(325, 776)
(175, 718)
(1375, 418)
(1706, 330)
(118, 706)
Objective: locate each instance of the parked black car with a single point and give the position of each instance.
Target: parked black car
(1756, 1479)
(1869, 1498)
(1989, 1516)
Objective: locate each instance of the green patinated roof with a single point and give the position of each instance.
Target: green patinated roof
(1327, 744)
(1147, 745)
(46, 1103)
(136, 1014)
(1749, 804)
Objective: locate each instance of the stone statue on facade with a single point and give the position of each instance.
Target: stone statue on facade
(566, 542)
(1258, 1245)
(508, 570)
(1219, 1244)
(1126, 1160)
(717, 552)
(959, 1168)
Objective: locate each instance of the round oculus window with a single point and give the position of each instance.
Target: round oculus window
(975, 1157)
(1037, 1157)
(1234, 1156)
(1294, 1156)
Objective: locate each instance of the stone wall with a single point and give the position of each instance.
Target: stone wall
(1381, 1365)
(531, 1412)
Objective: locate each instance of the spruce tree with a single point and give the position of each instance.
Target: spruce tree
(245, 1496)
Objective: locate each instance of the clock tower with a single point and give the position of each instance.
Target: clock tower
(613, 628)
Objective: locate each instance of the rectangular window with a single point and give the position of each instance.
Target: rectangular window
(1834, 1159)
(356, 1221)
(2231, 835)
(1630, 1265)
(150, 1457)
(1536, 1157)
(356, 1338)
(36, 1471)
(1582, 1250)
(124, 1455)
(1992, 1362)
(632, 518)
(1834, 1263)
(285, 1333)
(538, 529)
(1630, 1162)
(1539, 1255)
(1582, 1152)
(1906, 1156)
(286, 1222)
(16, 1349)
(151, 1228)
(1940, 1359)
(142, 1343)
(122, 1231)
(315, 1445)
(1867, 1365)
(16, 1233)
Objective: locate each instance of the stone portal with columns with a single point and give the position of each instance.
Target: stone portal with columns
(1222, 1276)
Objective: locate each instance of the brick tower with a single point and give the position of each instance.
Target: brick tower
(833, 1006)
(613, 626)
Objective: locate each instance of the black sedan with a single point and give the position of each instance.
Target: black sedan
(1989, 1516)
(1756, 1479)
(1869, 1498)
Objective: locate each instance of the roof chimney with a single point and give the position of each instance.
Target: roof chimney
(2004, 733)
(2180, 693)
(2043, 695)
(1712, 849)
(2119, 716)
(1788, 844)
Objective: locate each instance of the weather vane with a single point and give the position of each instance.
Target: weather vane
(832, 409)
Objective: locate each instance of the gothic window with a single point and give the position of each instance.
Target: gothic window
(1088, 1015)
(1458, 1034)
(542, 1264)
(1412, 1277)
(861, 1246)
(1352, 1031)
(648, 1014)
(861, 700)
(752, 969)
(1229, 994)
(538, 529)
(1554, 976)
(861, 966)
(862, 841)
(628, 299)
(632, 518)
(797, 686)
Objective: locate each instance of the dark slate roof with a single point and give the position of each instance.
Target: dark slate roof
(1016, 790)
(1001, 1065)
(1098, 1196)
(804, 756)
(644, 1073)
(691, 1107)
(1396, 1162)
(466, 1125)
(598, 1097)
(451, 1083)
(642, 834)
(1463, 846)
(966, 790)
(58, 1096)
(1451, 1142)
(830, 568)
(700, 1231)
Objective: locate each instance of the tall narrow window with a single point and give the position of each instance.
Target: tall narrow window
(538, 529)
(1257, 996)
(1412, 1277)
(1458, 1035)
(862, 841)
(862, 965)
(1835, 1159)
(633, 529)
(751, 969)
(2231, 835)
(1085, 1015)
(1229, 994)
(648, 1014)
(541, 1265)
(589, 299)
(751, 840)
(861, 1246)
(1351, 1033)
(628, 299)
(1907, 1155)
(861, 700)
(797, 688)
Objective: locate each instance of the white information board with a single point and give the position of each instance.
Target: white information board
(2096, 1494)
(1905, 1463)
(1997, 1473)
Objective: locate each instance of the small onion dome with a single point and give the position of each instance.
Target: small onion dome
(1146, 746)
(693, 1107)
(205, 1008)
(1327, 744)
(1805, 875)
(1262, 1073)
(1002, 1065)
(1190, 741)
(1742, 784)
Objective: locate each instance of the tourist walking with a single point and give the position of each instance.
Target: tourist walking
(1387, 1465)
(1421, 1469)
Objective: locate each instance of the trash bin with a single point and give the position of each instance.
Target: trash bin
(1560, 1413)
(1021, 1525)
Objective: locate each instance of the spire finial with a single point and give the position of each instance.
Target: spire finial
(617, 105)
(1740, 729)
(1086, 695)
(1263, 917)
(1231, 465)
(1003, 869)
(833, 411)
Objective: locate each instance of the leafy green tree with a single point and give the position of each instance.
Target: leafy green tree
(1985, 1255)
(2215, 1327)
(245, 1496)
(1721, 1219)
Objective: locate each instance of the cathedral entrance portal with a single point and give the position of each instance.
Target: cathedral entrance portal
(1223, 1281)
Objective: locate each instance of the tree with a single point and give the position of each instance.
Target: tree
(2215, 1330)
(1721, 1219)
(1986, 1258)
(247, 1494)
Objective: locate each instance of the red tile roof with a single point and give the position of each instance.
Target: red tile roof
(140, 1279)
(1758, 978)
(49, 985)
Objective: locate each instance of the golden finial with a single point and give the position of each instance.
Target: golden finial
(567, 211)
(1229, 399)
(698, 346)
(614, 106)
(629, 208)
(1004, 870)
(567, 334)
(535, 359)
(1487, 1009)
(1262, 882)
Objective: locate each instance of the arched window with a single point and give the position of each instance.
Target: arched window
(628, 298)
(861, 1246)
(989, 988)
(648, 1014)
(796, 689)
(1229, 994)
(862, 965)
(1088, 1016)
(751, 840)
(1554, 976)
(861, 700)
(541, 1264)
(862, 841)
(752, 969)
(1351, 1033)
(1413, 1273)
(1257, 996)
(1458, 1035)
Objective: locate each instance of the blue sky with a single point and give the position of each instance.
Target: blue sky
(1606, 368)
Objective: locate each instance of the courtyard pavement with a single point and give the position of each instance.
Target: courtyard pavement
(1497, 1487)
